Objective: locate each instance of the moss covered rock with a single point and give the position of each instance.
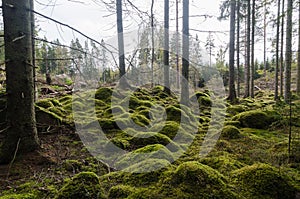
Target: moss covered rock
(263, 181)
(195, 180)
(230, 132)
(254, 119)
(82, 185)
(120, 191)
(104, 94)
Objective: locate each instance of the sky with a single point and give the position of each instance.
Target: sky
(92, 18)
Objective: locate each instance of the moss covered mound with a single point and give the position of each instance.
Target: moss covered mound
(83, 185)
(263, 181)
(254, 119)
(120, 191)
(230, 132)
(195, 180)
(104, 94)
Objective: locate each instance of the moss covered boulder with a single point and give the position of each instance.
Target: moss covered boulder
(263, 181)
(82, 185)
(230, 132)
(120, 191)
(254, 119)
(104, 94)
(195, 180)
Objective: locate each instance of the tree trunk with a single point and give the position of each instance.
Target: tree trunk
(252, 69)
(298, 58)
(265, 37)
(288, 52)
(177, 45)
(238, 48)
(277, 50)
(120, 39)
(281, 50)
(232, 93)
(185, 54)
(166, 49)
(247, 64)
(21, 136)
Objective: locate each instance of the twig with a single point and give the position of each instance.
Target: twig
(3, 130)
(12, 161)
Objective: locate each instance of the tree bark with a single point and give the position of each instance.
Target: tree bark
(238, 48)
(232, 92)
(247, 64)
(288, 52)
(21, 136)
(252, 69)
(298, 58)
(166, 49)
(185, 54)
(277, 50)
(120, 38)
(281, 50)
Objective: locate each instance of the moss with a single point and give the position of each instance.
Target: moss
(262, 181)
(232, 123)
(20, 196)
(195, 180)
(253, 119)
(230, 132)
(204, 101)
(104, 94)
(44, 103)
(200, 94)
(141, 120)
(143, 139)
(120, 191)
(170, 129)
(236, 109)
(82, 185)
(224, 164)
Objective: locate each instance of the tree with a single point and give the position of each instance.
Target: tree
(185, 53)
(166, 49)
(238, 46)
(281, 47)
(120, 38)
(288, 52)
(298, 58)
(232, 92)
(252, 69)
(21, 135)
(277, 50)
(247, 64)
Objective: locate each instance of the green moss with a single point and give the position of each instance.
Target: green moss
(44, 103)
(149, 139)
(82, 185)
(141, 120)
(104, 94)
(224, 164)
(120, 191)
(236, 109)
(253, 119)
(199, 94)
(195, 180)
(170, 129)
(204, 101)
(230, 132)
(20, 196)
(232, 123)
(263, 181)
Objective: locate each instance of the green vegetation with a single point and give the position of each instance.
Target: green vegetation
(250, 159)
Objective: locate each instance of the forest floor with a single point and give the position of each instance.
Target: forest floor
(250, 158)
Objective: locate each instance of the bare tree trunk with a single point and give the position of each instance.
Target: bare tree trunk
(21, 135)
(298, 58)
(232, 93)
(265, 37)
(288, 52)
(152, 43)
(120, 39)
(185, 54)
(238, 48)
(252, 69)
(177, 45)
(166, 49)
(281, 51)
(247, 64)
(277, 50)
